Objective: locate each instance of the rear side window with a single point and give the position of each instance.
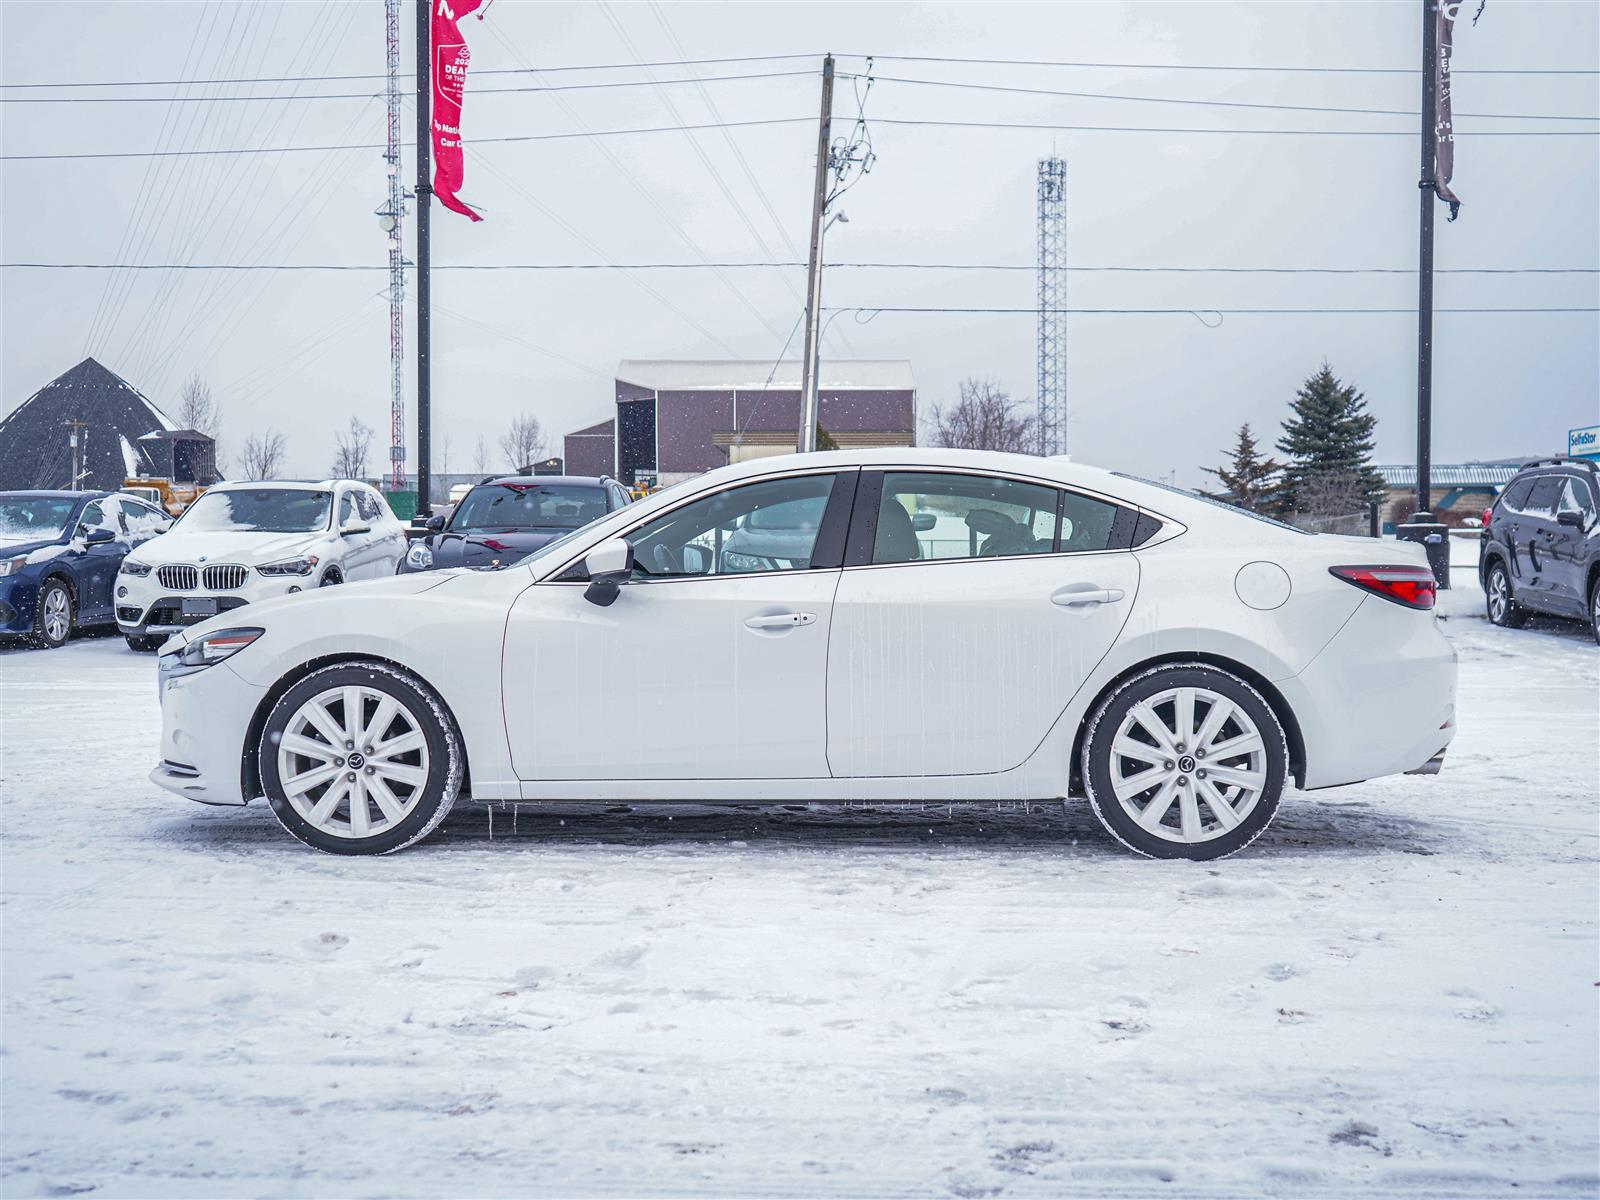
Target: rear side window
(924, 516)
(1542, 500)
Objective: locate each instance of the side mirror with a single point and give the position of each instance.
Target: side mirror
(609, 565)
(96, 537)
(924, 522)
(435, 523)
(1569, 517)
(354, 528)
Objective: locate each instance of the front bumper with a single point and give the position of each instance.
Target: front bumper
(205, 719)
(144, 607)
(17, 600)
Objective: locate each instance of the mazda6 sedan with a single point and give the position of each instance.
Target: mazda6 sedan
(848, 626)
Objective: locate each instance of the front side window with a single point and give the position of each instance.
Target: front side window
(1516, 494)
(1542, 500)
(924, 516)
(768, 526)
(508, 506)
(347, 510)
(1577, 498)
(259, 510)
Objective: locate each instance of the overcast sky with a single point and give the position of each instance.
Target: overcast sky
(302, 351)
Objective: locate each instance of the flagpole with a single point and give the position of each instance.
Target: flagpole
(424, 256)
(1426, 191)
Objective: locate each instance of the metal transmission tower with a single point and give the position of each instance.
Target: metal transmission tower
(1052, 306)
(389, 218)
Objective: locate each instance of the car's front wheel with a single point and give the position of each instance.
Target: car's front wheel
(360, 758)
(52, 617)
(1594, 607)
(1185, 761)
(1502, 605)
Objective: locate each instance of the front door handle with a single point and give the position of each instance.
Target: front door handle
(788, 620)
(1074, 595)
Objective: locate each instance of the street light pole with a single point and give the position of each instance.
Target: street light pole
(810, 364)
(424, 257)
(1427, 194)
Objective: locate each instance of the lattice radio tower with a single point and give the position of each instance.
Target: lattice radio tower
(1052, 306)
(389, 218)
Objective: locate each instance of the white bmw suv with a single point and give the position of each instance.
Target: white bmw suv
(244, 542)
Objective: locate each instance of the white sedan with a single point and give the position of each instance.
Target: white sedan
(851, 626)
(240, 543)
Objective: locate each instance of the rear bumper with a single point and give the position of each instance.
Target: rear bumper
(1380, 699)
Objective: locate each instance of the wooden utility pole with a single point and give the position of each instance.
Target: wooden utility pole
(79, 442)
(424, 258)
(810, 365)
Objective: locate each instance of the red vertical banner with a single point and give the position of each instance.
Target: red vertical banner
(450, 58)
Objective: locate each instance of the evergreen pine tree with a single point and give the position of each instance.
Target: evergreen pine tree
(1248, 480)
(1328, 441)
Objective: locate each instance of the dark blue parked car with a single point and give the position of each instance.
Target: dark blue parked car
(59, 556)
(507, 518)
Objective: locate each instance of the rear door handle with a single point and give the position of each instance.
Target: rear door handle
(1074, 595)
(788, 620)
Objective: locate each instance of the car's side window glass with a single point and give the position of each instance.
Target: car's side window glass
(924, 516)
(1516, 494)
(1086, 523)
(1542, 500)
(368, 504)
(768, 526)
(141, 520)
(94, 517)
(1576, 498)
(347, 509)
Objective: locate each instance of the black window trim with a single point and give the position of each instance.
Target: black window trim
(869, 495)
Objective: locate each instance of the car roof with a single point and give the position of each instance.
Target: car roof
(298, 485)
(541, 480)
(56, 494)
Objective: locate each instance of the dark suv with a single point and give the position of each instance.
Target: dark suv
(1541, 544)
(509, 517)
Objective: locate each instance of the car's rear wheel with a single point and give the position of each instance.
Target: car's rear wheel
(1502, 605)
(1185, 761)
(360, 758)
(143, 643)
(52, 616)
(1594, 607)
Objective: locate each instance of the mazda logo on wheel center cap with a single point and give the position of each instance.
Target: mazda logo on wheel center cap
(357, 760)
(1185, 764)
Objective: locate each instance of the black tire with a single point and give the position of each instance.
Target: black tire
(1594, 607)
(1500, 601)
(1219, 841)
(53, 592)
(333, 578)
(147, 643)
(446, 762)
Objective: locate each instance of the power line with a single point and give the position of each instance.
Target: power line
(1192, 312)
(476, 92)
(1253, 67)
(1313, 108)
(1062, 127)
(796, 264)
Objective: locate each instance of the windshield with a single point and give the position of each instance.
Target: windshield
(529, 506)
(34, 518)
(259, 510)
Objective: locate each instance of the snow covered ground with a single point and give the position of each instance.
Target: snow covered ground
(1393, 992)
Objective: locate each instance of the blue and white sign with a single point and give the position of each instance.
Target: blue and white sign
(1584, 443)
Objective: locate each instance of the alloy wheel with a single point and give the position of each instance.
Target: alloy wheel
(1499, 596)
(353, 761)
(57, 619)
(1188, 765)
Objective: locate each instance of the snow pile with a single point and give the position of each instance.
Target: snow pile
(1393, 992)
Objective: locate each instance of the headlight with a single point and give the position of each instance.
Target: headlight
(137, 569)
(419, 556)
(302, 564)
(10, 566)
(204, 652)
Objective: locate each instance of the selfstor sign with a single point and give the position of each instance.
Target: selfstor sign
(1584, 443)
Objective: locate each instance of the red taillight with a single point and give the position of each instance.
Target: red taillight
(1415, 587)
(1487, 513)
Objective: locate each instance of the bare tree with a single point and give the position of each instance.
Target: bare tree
(523, 441)
(984, 418)
(444, 455)
(262, 455)
(351, 450)
(480, 456)
(198, 409)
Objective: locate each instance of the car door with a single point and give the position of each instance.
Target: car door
(387, 537)
(94, 564)
(712, 661)
(1536, 526)
(355, 549)
(970, 610)
(1568, 532)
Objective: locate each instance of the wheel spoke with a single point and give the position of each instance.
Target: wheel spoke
(328, 801)
(1189, 814)
(306, 780)
(1128, 748)
(392, 807)
(401, 773)
(317, 714)
(297, 743)
(1130, 786)
(1252, 780)
(1219, 806)
(402, 744)
(1183, 717)
(1216, 718)
(1153, 725)
(1244, 743)
(1157, 808)
(360, 817)
(379, 725)
(354, 724)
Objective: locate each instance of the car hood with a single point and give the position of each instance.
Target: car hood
(487, 547)
(374, 590)
(229, 546)
(12, 547)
